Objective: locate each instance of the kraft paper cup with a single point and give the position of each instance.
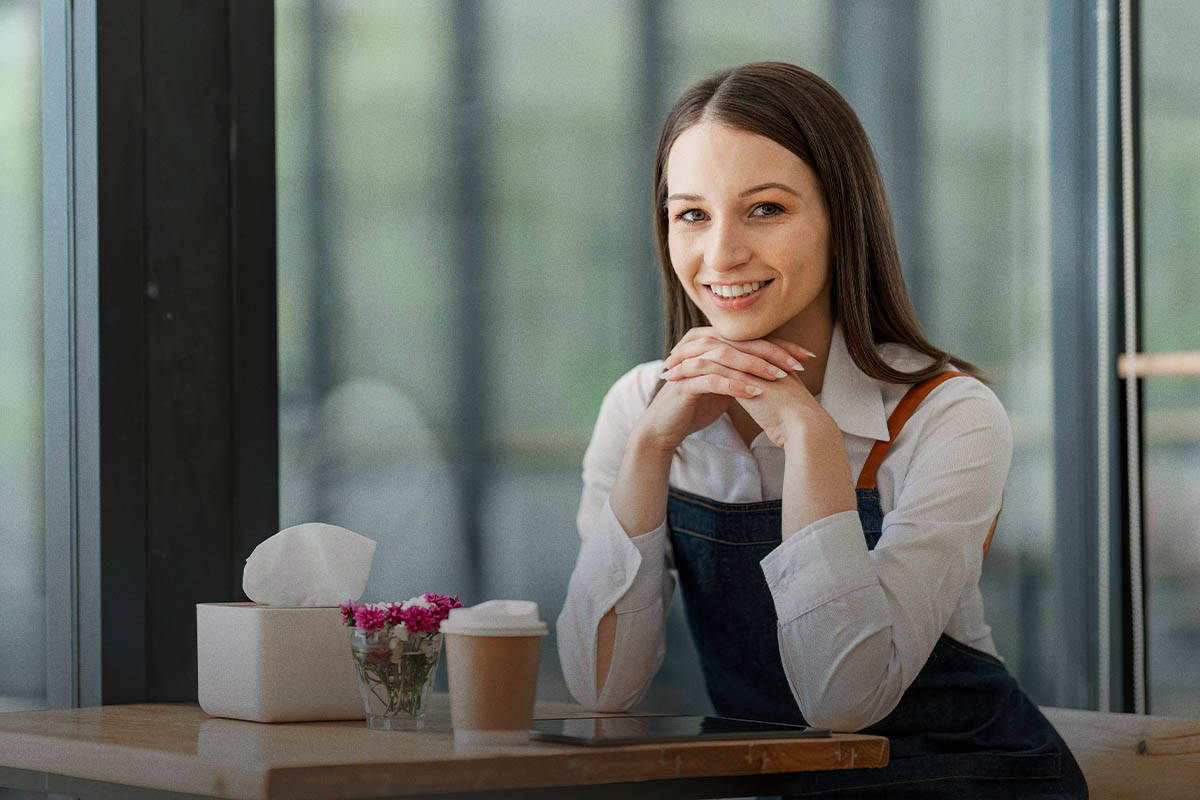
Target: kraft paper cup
(492, 652)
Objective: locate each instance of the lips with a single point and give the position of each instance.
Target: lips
(735, 296)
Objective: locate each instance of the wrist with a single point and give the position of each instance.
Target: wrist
(650, 445)
(639, 495)
(802, 434)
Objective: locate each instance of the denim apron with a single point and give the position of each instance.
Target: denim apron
(963, 729)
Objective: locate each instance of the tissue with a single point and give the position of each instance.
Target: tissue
(313, 564)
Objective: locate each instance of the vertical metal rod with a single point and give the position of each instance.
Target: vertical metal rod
(84, 275)
(1129, 270)
(61, 522)
(1073, 332)
(1103, 364)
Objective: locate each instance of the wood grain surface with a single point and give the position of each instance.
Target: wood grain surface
(1132, 756)
(179, 748)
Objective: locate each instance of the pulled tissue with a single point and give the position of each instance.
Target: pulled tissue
(313, 564)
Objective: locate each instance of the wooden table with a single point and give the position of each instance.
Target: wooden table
(176, 750)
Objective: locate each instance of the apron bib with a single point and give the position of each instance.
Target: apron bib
(963, 729)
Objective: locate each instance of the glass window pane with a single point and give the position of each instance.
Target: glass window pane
(1170, 290)
(985, 101)
(365, 233)
(370, 296)
(22, 541)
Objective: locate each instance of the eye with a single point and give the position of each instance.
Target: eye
(768, 210)
(692, 215)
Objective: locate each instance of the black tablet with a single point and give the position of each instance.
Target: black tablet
(602, 731)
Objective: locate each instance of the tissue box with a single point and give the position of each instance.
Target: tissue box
(275, 663)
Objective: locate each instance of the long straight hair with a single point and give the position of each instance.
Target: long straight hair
(797, 109)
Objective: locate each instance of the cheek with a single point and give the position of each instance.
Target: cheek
(680, 262)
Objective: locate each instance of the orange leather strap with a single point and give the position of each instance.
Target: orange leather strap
(904, 409)
(988, 541)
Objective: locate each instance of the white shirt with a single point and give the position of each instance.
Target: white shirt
(855, 625)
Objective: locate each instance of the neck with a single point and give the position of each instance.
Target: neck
(816, 334)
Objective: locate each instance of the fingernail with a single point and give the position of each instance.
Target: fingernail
(662, 376)
(780, 373)
(796, 366)
(753, 391)
(808, 352)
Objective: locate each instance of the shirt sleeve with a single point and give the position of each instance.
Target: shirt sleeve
(857, 625)
(615, 570)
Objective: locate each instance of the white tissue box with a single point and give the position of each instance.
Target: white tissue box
(275, 663)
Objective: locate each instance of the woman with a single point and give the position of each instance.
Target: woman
(819, 477)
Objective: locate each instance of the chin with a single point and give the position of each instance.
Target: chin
(741, 331)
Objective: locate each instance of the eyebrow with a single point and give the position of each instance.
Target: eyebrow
(762, 187)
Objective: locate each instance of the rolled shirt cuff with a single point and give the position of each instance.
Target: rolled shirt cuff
(818, 564)
(619, 568)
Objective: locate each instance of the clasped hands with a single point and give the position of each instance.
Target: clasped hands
(705, 374)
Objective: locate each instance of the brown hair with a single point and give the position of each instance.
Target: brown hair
(802, 112)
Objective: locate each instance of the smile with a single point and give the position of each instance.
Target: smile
(735, 296)
(735, 289)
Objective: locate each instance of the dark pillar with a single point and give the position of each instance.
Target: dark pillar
(188, 428)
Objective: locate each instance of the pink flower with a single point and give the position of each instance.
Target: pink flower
(419, 619)
(370, 618)
(393, 616)
(443, 602)
(442, 605)
(421, 614)
(348, 608)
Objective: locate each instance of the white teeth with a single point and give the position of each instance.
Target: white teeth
(735, 290)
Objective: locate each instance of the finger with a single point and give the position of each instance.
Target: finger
(766, 350)
(693, 343)
(712, 383)
(777, 351)
(792, 347)
(693, 335)
(729, 356)
(695, 367)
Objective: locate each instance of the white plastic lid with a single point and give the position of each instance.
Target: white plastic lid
(496, 618)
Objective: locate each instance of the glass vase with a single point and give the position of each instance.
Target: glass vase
(396, 670)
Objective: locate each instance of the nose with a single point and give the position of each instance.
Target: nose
(725, 247)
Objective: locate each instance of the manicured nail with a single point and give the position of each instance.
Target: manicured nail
(796, 366)
(780, 373)
(753, 391)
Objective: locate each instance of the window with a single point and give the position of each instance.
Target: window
(986, 273)
(400, 272)
(22, 567)
(1170, 285)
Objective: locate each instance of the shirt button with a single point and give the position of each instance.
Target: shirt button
(618, 577)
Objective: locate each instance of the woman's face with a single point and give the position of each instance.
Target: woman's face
(748, 234)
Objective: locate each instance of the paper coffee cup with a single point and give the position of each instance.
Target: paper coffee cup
(492, 654)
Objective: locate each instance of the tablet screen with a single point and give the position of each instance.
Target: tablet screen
(638, 730)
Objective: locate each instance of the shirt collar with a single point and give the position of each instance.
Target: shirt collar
(853, 398)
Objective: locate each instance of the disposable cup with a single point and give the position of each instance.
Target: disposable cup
(492, 652)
